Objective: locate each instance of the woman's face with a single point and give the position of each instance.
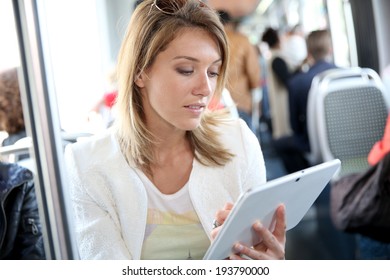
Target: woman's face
(180, 83)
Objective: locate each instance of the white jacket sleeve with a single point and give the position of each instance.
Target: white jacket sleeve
(256, 173)
(97, 226)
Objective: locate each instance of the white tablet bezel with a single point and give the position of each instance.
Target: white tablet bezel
(297, 191)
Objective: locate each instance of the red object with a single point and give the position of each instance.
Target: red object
(215, 104)
(382, 147)
(109, 98)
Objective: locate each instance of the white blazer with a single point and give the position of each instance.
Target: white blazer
(110, 203)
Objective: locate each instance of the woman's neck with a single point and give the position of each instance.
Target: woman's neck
(170, 146)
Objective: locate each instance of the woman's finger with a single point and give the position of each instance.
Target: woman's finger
(280, 226)
(220, 218)
(222, 214)
(272, 243)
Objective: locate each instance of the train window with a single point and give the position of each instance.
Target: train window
(63, 56)
(42, 125)
(81, 58)
(66, 54)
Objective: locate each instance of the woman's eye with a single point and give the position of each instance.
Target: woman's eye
(186, 72)
(213, 74)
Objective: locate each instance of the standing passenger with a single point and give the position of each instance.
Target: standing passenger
(244, 70)
(294, 47)
(278, 74)
(151, 186)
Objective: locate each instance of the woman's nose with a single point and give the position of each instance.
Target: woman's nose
(204, 85)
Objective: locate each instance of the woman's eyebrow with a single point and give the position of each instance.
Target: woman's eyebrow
(194, 59)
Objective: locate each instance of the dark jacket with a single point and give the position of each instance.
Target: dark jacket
(20, 228)
(298, 89)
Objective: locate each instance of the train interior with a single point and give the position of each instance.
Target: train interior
(66, 52)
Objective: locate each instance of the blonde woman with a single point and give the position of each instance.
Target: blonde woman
(152, 185)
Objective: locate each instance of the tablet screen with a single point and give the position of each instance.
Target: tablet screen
(297, 191)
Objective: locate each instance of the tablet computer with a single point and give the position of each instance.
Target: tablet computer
(297, 191)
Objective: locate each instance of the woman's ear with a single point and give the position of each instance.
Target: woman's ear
(140, 80)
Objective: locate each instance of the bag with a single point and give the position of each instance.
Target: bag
(360, 203)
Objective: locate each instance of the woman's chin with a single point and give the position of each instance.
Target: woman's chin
(190, 125)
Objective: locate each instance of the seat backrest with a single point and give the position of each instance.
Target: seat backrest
(314, 156)
(347, 111)
(323, 82)
(19, 153)
(16, 152)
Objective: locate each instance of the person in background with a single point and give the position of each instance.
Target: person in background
(224, 102)
(294, 47)
(11, 110)
(382, 147)
(278, 74)
(20, 227)
(244, 69)
(103, 109)
(369, 248)
(293, 149)
(161, 181)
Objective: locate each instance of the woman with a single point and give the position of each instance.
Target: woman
(278, 76)
(151, 186)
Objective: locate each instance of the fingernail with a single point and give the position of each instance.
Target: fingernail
(238, 247)
(258, 226)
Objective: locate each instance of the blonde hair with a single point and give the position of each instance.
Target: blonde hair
(149, 32)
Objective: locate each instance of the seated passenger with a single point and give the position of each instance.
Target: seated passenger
(20, 228)
(11, 111)
(369, 248)
(292, 149)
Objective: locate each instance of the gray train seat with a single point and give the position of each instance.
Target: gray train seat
(346, 114)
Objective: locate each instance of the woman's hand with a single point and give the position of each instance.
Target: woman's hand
(272, 245)
(220, 218)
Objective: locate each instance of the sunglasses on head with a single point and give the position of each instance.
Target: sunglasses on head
(171, 7)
